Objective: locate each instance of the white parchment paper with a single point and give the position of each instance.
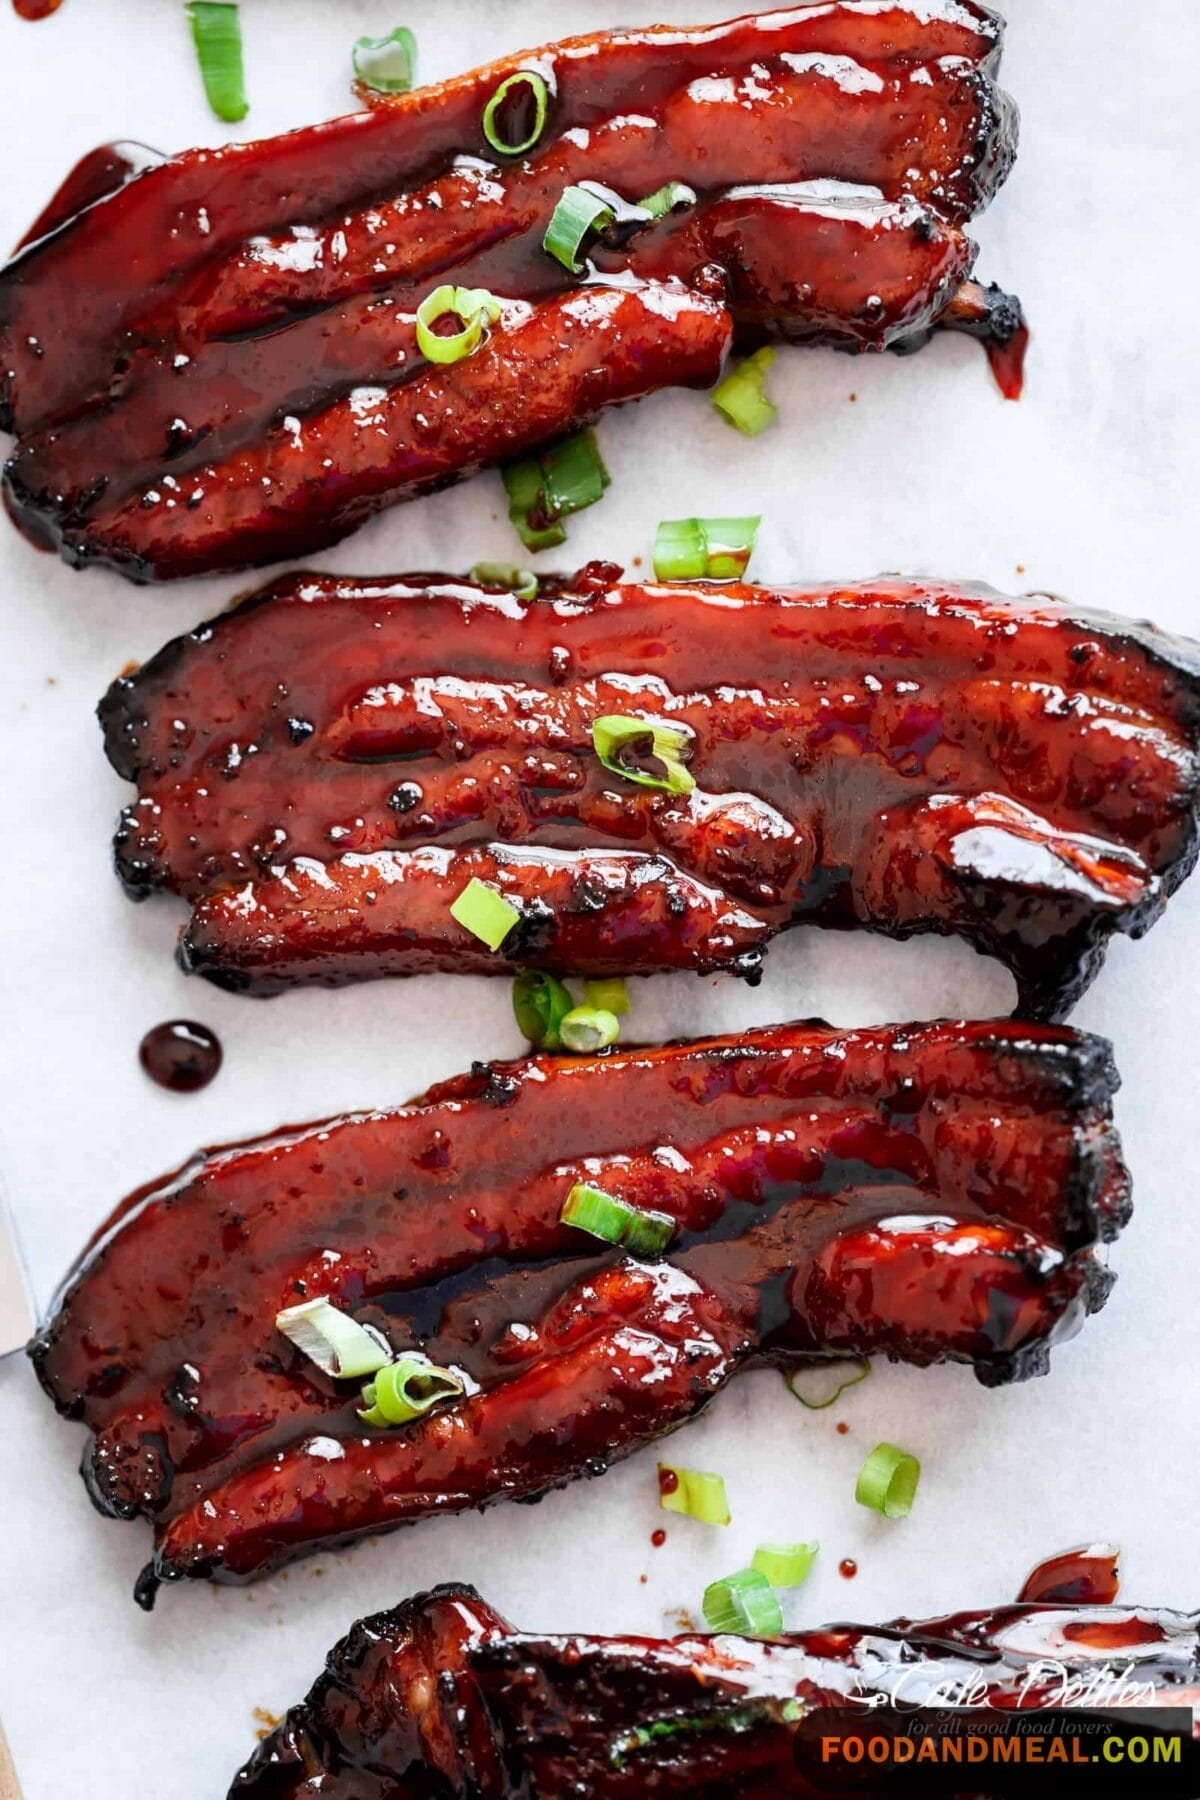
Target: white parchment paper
(1088, 487)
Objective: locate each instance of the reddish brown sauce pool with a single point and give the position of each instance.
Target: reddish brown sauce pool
(1077, 1577)
(180, 1055)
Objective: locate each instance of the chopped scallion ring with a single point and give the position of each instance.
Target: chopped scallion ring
(588, 1028)
(740, 397)
(617, 733)
(610, 993)
(540, 1004)
(671, 198)
(330, 1338)
(485, 913)
(521, 582)
(698, 549)
(577, 213)
(473, 307)
(695, 1492)
(542, 489)
(517, 92)
(386, 65)
(785, 1565)
(637, 1229)
(887, 1481)
(407, 1389)
(217, 35)
(812, 1377)
(744, 1603)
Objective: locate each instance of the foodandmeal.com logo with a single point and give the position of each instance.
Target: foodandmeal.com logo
(1063, 1732)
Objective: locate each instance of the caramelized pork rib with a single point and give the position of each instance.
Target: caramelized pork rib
(322, 770)
(928, 1192)
(212, 361)
(441, 1695)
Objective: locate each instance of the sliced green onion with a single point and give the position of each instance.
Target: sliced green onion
(540, 1004)
(485, 913)
(635, 1228)
(588, 1028)
(619, 732)
(785, 1565)
(667, 199)
(331, 1339)
(540, 95)
(812, 1376)
(521, 582)
(745, 1603)
(407, 1389)
(577, 213)
(740, 397)
(217, 35)
(610, 994)
(529, 507)
(722, 1718)
(542, 489)
(386, 65)
(475, 307)
(887, 1481)
(695, 1492)
(691, 549)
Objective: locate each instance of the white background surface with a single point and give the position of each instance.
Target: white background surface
(1086, 488)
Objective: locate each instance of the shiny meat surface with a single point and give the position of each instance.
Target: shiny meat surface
(321, 771)
(926, 1192)
(441, 1697)
(210, 361)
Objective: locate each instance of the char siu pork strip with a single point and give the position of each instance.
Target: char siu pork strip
(441, 1696)
(212, 360)
(322, 771)
(927, 1192)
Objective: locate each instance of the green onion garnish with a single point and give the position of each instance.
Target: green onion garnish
(812, 1376)
(331, 1339)
(521, 582)
(785, 1565)
(387, 64)
(407, 1389)
(693, 549)
(694, 1492)
(540, 1004)
(667, 199)
(536, 92)
(485, 913)
(577, 213)
(740, 397)
(543, 489)
(616, 733)
(745, 1603)
(473, 307)
(887, 1481)
(610, 994)
(217, 35)
(635, 1228)
(588, 1028)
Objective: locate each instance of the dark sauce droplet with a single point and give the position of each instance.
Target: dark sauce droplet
(180, 1055)
(668, 1481)
(848, 1568)
(658, 1538)
(842, 1427)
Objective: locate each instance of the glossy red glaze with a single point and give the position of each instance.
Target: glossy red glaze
(1088, 1576)
(929, 1191)
(215, 364)
(442, 1696)
(848, 1568)
(322, 770)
